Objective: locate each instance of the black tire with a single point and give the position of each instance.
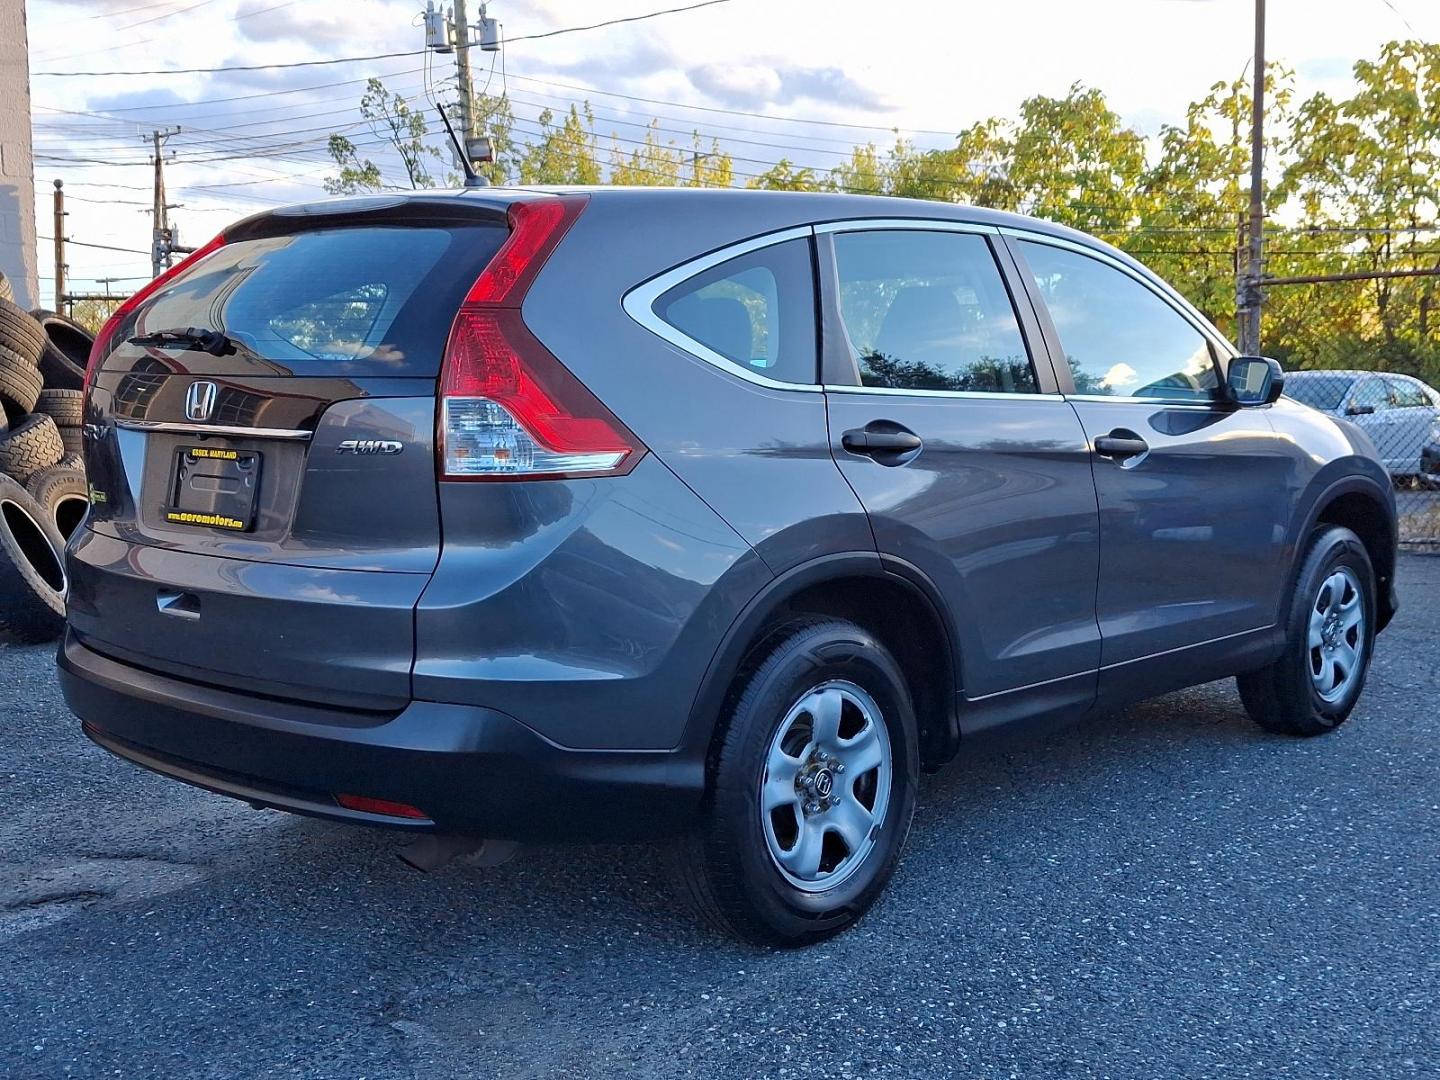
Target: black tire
(32, 571)
(20, 332)
(63, 494)
(65, 350)
(20, 383)
(30, 446)
(65, 407)
(73, 439)
(6, 292)
(1284, 697)
(726, 865)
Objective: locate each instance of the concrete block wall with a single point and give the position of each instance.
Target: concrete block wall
(18, 252)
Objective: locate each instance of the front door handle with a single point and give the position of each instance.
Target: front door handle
(870, 441)
(1120, 445)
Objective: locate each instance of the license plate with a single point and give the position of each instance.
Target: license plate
(214, 487)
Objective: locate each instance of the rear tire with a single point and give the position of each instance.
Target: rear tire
(65, 407)
(32, 571)
(19, 331)
(29, 447)
(1329, 639)
(63, 494)
(822, 722)
(65, 350)
(20, 383)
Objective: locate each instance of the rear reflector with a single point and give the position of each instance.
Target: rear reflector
(509, 410)
(367, 805)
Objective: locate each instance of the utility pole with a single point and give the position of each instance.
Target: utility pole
(462, 73)
(162, 237)
(59, 232)
(454, 36)
(1249, 297)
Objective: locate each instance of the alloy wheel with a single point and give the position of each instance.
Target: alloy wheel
(826, 786)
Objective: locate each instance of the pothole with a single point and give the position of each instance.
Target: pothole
(38, 893)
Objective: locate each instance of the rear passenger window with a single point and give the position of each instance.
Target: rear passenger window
(1407, 395)
(757, 311)
(1119, 337)
(930, 311)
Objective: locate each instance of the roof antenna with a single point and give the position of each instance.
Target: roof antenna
(472, 178)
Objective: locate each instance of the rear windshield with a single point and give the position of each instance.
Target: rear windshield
(1319, 391)
(372, 300)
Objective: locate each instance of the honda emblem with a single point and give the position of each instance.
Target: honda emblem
(200, 400)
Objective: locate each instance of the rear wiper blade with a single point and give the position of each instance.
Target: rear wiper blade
(192, 337)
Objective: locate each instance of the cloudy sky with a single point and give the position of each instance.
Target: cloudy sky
(802, 79)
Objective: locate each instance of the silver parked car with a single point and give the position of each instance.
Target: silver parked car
(1399, 413)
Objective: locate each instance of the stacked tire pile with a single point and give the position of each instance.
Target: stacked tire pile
(43, 491)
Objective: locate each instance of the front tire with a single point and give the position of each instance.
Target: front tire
(1330, 637)
(813, 789)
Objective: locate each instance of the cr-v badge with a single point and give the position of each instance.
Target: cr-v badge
(370, 446)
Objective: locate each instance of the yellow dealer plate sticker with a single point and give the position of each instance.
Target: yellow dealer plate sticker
(215, 521)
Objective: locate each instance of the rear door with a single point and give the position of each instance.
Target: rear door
(265, 512)
(1192, 518)
(945, 420)
(1411, 416)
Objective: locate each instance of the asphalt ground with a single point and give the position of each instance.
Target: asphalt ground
(1165, 892)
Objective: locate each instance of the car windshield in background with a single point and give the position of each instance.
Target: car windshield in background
(1324, 392)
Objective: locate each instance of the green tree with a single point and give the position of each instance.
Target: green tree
(392, 120)
(1371, 162)
(1074, 162)
(784, 176)
(1193, 201)
(563, 153)
(652, 163)
(92, 314)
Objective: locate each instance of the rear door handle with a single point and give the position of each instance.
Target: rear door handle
(868, 441)
(1120, 445)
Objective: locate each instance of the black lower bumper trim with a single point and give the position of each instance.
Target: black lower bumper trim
(471, 770)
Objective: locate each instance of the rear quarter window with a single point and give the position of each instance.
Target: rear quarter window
(756, 311)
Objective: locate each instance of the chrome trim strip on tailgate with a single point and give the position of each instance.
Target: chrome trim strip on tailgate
(297, 434)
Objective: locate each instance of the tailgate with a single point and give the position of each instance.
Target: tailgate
(264, 502)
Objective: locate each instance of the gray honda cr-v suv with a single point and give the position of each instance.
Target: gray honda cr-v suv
(623, 513)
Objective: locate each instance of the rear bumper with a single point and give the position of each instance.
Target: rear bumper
(470, 769)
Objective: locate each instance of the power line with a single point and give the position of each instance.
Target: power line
(376, 56)
(50, 57)
(1389, 4)
(102, 247)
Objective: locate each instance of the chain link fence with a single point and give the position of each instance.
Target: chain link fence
(1401, 414)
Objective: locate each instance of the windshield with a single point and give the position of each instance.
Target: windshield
(1324, 392)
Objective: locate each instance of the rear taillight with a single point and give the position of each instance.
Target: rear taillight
(105, 340)
(509, 410)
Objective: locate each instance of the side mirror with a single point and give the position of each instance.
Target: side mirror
(1255, 380)
(1359, 410)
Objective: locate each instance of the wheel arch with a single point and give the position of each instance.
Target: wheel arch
(1361, 505)
(888, 597)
